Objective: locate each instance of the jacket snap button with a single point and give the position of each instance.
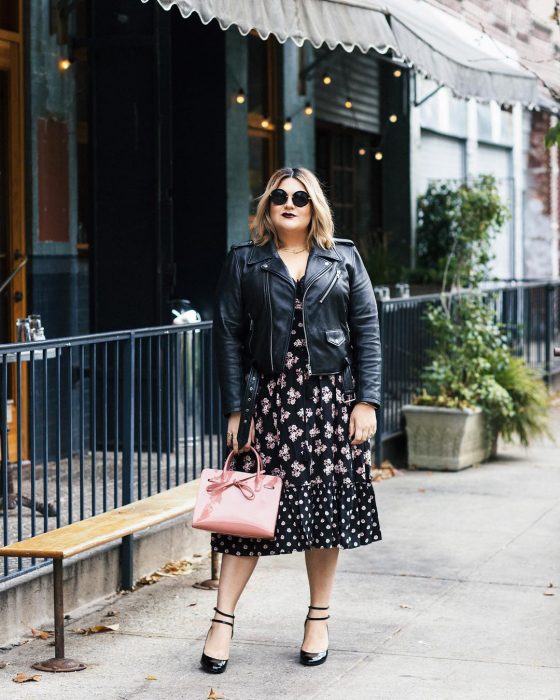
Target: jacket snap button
(327, 262)
(265, 265)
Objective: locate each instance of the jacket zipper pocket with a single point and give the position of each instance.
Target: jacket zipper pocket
(267, 283)
(331, 285)
(311, 281)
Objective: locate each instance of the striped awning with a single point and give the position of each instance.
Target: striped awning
(351, 24)
(420, 35)
(456, 54)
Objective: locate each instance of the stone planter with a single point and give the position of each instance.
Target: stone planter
(445, 439)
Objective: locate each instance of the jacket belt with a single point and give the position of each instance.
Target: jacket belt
(248, 405)
(347, 381)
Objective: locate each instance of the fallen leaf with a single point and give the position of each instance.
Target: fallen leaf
(175, 568)
(215, 695)
(549, 593)
(43, 634)
(386, 471)
(405, 605)
(422, 490)
(151, 678)
(23, 678)
(147, 580)
(111, 613)
(97, 628)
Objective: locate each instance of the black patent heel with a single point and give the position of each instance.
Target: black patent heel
(209, 663)
(314, 658)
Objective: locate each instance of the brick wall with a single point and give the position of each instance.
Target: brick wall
(528, 26)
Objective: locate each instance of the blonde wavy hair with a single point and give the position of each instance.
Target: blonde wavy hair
(321, 228)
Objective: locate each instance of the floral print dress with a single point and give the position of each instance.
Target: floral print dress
(301, 432)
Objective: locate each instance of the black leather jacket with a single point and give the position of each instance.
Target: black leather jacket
(253, 313)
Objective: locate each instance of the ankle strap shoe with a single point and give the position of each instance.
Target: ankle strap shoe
(209, 663)
(314, 658)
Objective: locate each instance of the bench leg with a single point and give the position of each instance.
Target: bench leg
(212, 583)
(59, 663)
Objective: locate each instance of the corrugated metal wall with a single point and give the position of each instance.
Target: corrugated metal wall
(354, 75)
(440, 158)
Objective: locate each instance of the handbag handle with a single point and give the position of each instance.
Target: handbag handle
(259, 462)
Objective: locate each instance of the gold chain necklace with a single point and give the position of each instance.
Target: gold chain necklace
(294, 251)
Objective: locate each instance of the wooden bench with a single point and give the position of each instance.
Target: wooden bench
(67, 541)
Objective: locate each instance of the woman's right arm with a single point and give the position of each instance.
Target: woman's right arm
(227, 333)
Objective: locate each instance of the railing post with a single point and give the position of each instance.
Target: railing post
(549, 298)
(127, 568)
(378, 457)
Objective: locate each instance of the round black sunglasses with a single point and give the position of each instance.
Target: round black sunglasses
(299, 198)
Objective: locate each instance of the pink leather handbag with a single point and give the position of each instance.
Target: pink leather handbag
(238, 503)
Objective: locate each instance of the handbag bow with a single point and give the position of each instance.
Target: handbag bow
(219, 484)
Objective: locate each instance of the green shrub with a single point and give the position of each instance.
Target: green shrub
(470, 362)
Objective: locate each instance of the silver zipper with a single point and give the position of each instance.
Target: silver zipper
(331, 285)
(303, 314)
(270, 313)
(251, 330)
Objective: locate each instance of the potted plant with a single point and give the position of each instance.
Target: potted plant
(473, 388)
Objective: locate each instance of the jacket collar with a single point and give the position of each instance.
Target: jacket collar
(260, 253)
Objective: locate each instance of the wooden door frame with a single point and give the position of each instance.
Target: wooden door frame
(11, 60)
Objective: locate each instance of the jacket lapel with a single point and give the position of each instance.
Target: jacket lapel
(268, 254)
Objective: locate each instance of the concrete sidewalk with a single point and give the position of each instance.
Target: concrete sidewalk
(452, 603)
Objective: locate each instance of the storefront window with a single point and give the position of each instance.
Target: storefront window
(262, 101)
(353, 181)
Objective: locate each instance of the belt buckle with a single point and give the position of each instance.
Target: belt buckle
(349, 397)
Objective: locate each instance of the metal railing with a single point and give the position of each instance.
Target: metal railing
(94, 422)
(529, 312)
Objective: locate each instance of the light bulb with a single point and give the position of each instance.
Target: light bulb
(240, 97)
(348, 103)
(288, 125)
(362, 151)
(378, 155)
(393, 118)
(265, 123)
(397, 72)
(308, 109)
(64, 64)
(327, 80)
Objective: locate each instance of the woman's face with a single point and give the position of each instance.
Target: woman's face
(286, 217)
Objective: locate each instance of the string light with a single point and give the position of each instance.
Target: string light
(308, 109)
(362, 151)
(327, 80)
(348, 103)
(265, 123)
(397, 72)
(378, 155)
(288, 124)
(64, 63)
(240, 97)
(393, 118)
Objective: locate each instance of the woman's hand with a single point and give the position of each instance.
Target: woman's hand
(363, 423)
(233, 427)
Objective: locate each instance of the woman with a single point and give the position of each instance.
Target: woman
(296, 339)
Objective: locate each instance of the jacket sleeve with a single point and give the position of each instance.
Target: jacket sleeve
(364, 333)
(227, 333)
